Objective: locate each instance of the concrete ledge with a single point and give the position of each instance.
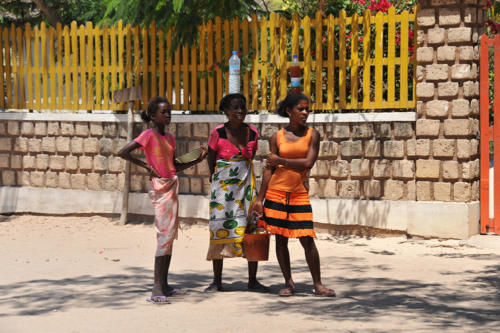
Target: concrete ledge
(214, 118)
(427, 219)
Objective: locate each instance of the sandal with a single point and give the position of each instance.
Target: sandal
(287, 292)
(158, 300)
(325, 292)
(259, 288)
(213, 287)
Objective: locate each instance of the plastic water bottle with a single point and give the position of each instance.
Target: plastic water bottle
(234, 73)
(295, 73)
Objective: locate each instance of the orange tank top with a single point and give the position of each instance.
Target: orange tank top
(284, 178)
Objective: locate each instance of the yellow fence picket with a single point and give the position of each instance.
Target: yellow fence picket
(76, 67)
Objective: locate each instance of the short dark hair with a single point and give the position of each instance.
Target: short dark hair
(226, 100)
(147, 114)
(290, 101)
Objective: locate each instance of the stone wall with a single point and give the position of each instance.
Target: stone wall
(367, 160)
(448, 100)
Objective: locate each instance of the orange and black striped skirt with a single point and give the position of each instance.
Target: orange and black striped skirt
(288, 214)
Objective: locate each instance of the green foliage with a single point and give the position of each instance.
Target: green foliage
(184, 16)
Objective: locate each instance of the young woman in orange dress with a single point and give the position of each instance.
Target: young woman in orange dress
(286, 211)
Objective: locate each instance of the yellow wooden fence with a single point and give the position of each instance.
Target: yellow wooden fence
(358, 62)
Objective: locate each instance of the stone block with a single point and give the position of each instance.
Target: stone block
(427, 127)
(105, 146)
(78, 181)
(202, 168)
(13, 128)
(268, 130)
(372, 148)
(109, 182)
(81, 129)
(436, 72)
(3, 128)
(77, 145)
(446, 53)
(360, 168)
(5, 144)
(23, 178)
(109, 130)
(463, 72)
(136, 183)
(470, 15)
(116, 164)
(53, 128)
(118, 144)
(403, 169)
(349, 189)
(16, 161)
(8, 178)
(466, 53)
(71, 162)
(339, 169)
(122, 130)
(383, 130)
(424, 192)
(449, 16)
(34, 145)
(320, 169)
(394, 189)
(464, 149)
(470, 89)
(447, 89)
(100, 163)
(435, 36)
(426, 17)
(459, 35)
(21, 145)
(351, 148)
(450, 170)
(382, 169)
(4, 161)
(403, 130)
(67, 129)
(27, 128)
(29, 162)
(372, 189)
(420, 73)
(470, 170)
(57, 162)
(328, 188)
(411, 148)
(49, 144)
(190, 171)
(425, 90)
(196, 185)
(94, 181)
(40, 128)
(437, 109)
(462, 192)
(64, 180)
(63, 144)
(200, 130)
(427, 169)
(363, 130)
(460, 108)
(474, 147)
(37, 178)
(442, 191)
(184, 130)
(85, 162)
(425, 54)
(51, 179)
(474, 106)
(411, 190)
(474, 192)
(458, 127)
(96, 129)
(42, 162)
(423, 147)
(394, 149)
(91, 145)
(443, 148)
(183, 185)
(328, 149)
(263, 148)
(340, 131)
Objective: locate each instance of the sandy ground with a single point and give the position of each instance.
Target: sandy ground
(88, 274)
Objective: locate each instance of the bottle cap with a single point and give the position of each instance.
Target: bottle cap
(294, 56)
(235, 52)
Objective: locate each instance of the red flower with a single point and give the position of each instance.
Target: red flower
(313, 53)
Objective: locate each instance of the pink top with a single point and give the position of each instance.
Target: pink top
(159, 151)
(219, 142)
